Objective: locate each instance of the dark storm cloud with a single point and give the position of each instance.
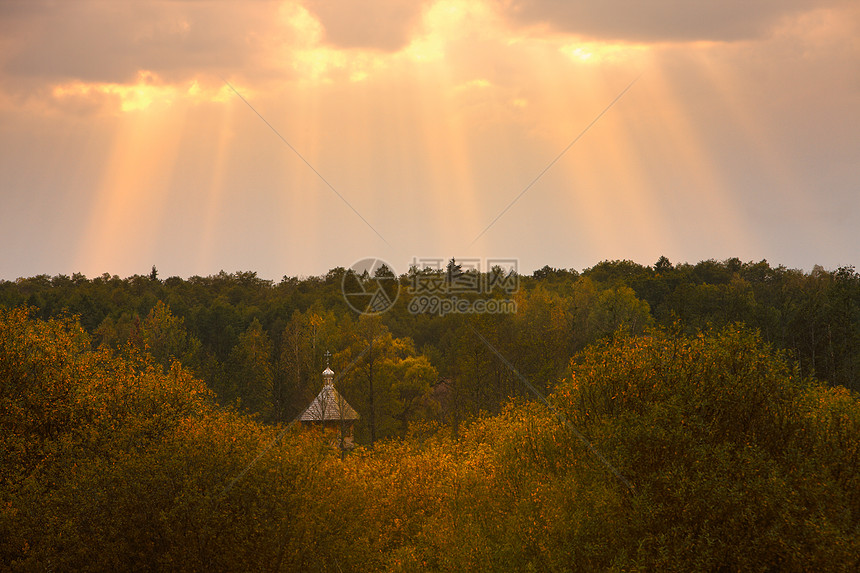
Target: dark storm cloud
(658, 20)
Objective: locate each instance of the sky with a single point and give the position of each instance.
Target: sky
(291, 137)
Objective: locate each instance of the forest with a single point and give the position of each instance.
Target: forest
(688, 417)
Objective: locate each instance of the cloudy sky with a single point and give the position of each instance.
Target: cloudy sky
(291, 137)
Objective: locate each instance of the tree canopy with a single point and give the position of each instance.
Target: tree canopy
(734, 459)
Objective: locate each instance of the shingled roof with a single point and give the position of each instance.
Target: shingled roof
(329, 405)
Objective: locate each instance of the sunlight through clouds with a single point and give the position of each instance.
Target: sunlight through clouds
(430, 117)
(147, 91)
(127, 97)
(596, 53)
(212, 209)
(129, 205)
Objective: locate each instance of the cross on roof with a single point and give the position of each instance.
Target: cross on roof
(327, 356)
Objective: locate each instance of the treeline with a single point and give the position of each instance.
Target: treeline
(666, 451)
(261, 345)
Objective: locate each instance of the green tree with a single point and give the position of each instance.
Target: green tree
(163, 335)
(714, 432)
(250, 372)
(618, 308)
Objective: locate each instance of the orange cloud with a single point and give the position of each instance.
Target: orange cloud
(147, 91)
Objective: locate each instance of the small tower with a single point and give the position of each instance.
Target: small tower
(330, 412)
